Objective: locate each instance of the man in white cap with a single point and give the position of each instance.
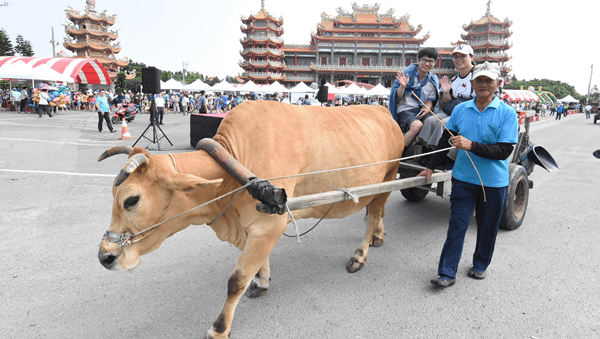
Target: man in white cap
(488, 131)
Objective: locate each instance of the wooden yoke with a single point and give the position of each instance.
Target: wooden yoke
(273, 198)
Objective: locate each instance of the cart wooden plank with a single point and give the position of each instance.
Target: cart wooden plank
(325, 198)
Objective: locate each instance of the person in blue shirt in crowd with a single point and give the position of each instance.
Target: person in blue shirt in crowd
(103, 111)
(488, 131)
(559, 111)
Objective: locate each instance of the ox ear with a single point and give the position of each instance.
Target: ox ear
(189, 183)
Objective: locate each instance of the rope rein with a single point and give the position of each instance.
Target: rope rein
(125, 238)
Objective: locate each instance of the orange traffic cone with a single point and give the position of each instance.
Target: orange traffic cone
(125, 131)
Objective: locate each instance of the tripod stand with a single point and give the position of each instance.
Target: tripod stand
(155, 139)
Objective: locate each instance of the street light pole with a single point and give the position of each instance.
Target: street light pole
(587, 100)
(184, 67)
(54, 43)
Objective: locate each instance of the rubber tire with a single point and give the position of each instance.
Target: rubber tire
(114, 120)
(517, 197)
(413, 194)
(131, 119)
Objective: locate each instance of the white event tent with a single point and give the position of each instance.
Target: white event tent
(301, 88)
(21, 71)
(223, 86)
(172, 84)
(197, 85)
(379, 91)
(332, 89)
(352, 89)
(275, 87)
(249, 87)
(568, 99)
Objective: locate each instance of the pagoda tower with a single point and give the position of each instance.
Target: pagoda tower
(261, 48)
(88, 36)
(489, 38)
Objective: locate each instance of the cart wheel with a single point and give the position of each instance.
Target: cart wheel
(114, 120)
(412, 194)
(517, 197)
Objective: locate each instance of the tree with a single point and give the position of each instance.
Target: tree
(121, 83)
(23, 47)
(6, 46)
(166, 75)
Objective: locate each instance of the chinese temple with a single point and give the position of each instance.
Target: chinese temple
(263, 57)
(363, 46)
(489, 38)
(88, 36)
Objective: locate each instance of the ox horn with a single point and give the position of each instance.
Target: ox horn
(130, 166)
(115, 150)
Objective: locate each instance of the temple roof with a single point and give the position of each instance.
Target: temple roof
(75, 16)
(262, 15)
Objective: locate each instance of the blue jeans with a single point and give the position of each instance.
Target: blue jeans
(463, 199)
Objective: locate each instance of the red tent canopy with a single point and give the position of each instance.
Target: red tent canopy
(82, 71)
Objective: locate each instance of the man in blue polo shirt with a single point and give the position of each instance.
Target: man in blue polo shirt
(103, 111)
(488, 131)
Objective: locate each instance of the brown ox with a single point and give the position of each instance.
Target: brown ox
(270, 139)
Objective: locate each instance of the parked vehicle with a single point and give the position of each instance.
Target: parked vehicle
(127, 111)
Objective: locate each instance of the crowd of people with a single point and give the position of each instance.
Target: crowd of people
(20, 98)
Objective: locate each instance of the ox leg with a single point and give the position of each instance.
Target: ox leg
(373, 235)
(260, 283)
(254, 258)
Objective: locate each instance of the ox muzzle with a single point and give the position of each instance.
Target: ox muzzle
(108, 260)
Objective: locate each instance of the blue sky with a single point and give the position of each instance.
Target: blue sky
(558, 43)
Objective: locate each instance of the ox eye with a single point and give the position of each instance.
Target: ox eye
(131, 201)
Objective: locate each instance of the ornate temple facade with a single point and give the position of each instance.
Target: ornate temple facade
(261, 48)
(88, 36)
(364, 46)
(489, 38)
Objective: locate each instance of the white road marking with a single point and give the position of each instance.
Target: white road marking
(62, 142)
(60, 173)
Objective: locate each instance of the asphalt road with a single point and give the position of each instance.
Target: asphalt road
(56, 204)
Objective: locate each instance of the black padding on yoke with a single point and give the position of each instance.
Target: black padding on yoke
(273, 198)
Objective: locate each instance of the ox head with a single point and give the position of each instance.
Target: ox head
(148, 191)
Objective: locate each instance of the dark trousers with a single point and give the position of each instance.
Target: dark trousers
(106, 117)
(160, 111)
(41, 109)
(24, 104)
(463, 199)
(558, 116)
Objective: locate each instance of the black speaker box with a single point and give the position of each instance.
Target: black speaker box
(151, 80)
(322, 94)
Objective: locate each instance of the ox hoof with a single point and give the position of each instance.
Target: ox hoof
(254, 291)
(377, 241)
(354, 265)
(212, 335)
